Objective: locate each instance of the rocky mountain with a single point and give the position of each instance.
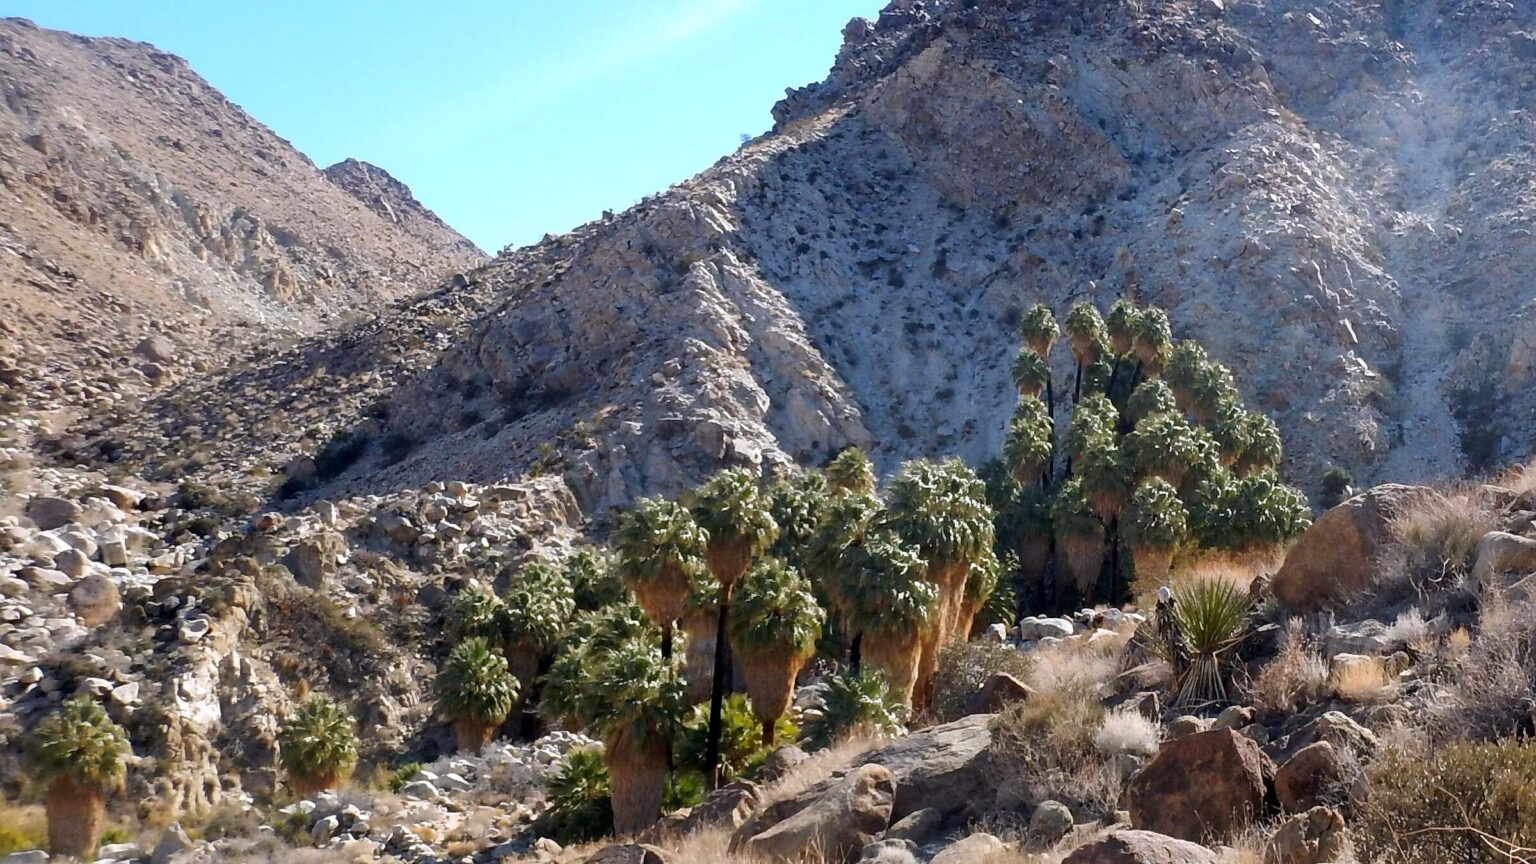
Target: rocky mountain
(140, 202)
(1334, 197)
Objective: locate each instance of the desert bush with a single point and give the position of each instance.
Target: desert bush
(1045, 750)
(1490, 687)
(855, 705)
(1294, 679)
(319, 745)
(1431, 547)
(1465, 802)
(1127, 731)
(580, 805)
(964, 667)
(741, 748)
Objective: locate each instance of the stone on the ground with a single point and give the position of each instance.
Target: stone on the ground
(945, 767)
(889, 851)
(95, 599)
(1304, 777)
(979, 848)
(918, 827)
(1203, 786)
(1141, 847)
(1335, 559)
(172, 840)
(1050, 822)
(839, 823)
(782, 761)
(48, 513)
(631, 853)
(999, 691)
(1499, 554)
(1317, 836)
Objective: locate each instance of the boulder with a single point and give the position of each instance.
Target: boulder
(1500, 553)
(889, 851)
(782, 761)
(1334, 560)
(729, 806)
(1206, 785)
(156, 349)
(631, 853)
(313, 560)
(1050, 822)
(1317, 836)
(999, 691)
(72, 563)
(837, 825)
(1186, 725)
(1306, 776)
(919, 827)
(943, 767)
(172, 840)
(95, 599)
(1141, 847)
(1338, 729)
(1234, 717)
(979, 848)
(49, 513)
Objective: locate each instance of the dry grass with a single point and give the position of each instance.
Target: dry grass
(1432, 548)
(1296, 678)
(1075, 667)
(1045, 749)
(1238, 569)
(1490, 685)
(1361, 683)
(1127, 731)
(1519, 479)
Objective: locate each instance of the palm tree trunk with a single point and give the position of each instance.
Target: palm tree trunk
(856, 651)
(637, 778)
(666, 643)
(717, 691)
(897, 657)
(699, 656)
(75, 813)
(1077, 383)
(306, 785)
(1082, 558)
(472, 735)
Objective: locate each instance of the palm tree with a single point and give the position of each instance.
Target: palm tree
(1093, 421)
(476, 612)
(851, 472)
(319, 746)
(699, 621)
(1232, 432)
(1183, 368)
(1079, 537)
(1152, 396)
(940, 508)
(774, 627)
(82, 756)
(1024, 519)
(1154, 525)
(885, 594)
(1121, 324)
(479, 692)
(659, 545)
(536, 606)
(1151, 341)
(1106, 478)
(1086, 337)
(979, 588)
(798, 506)
(832, 553)
(1212, 387)
(1028, 446)
(594, 578)
(856, 704)
(1030, 373)
(609, 678)
(1264, 449)
(1038, 330)
(738, 526)
(1164, 446)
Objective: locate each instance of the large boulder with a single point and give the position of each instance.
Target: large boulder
(837, 825)
(999, 691)
(1206, 785)
(1141, 847)
(944, 767)
(1301, 782)
(631, 853)
(313, 560)
(1314, 837)
(1335, 559)
(48, 513)
(979, 848)
(95, 599)
(1500, 553)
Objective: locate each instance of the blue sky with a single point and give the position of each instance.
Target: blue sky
(509, 118)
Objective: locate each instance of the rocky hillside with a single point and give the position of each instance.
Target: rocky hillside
(1334, 197)
(140, 202)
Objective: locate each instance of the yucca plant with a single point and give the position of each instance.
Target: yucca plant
(1028, 446)
(82, 756)
(1207, 623)
(536, 607)
(318, 743)
(1038, 330)
(1121, 324)
(1152, 340)
(1087, 339)
(774, 625)
(1030, 374)
(853, 705)
(1079, 537)
(1154, 525)
(478, 692)
(886, 599)
(851, 472)
(594, 578)
(615, 683)
(659, 546)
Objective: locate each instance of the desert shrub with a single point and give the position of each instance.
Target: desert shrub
(1126, 731)
(1465, 802)
(741, 746)
(398, 777)
(1361, 683)
(580, 808)
(852, 705)
(1294, 679)
(1045, 749)
(964, 666)
(1336, 482)
(1431, 547)
(22, 828)
(1490, 689)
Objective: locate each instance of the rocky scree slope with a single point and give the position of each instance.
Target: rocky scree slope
(136, 201)
(1334, 197)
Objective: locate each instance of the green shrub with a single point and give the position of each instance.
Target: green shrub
(401, 775)
(580, 807)
(319, 742)
(853, 704)
(741, 748)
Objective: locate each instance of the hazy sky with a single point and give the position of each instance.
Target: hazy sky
(509, 118)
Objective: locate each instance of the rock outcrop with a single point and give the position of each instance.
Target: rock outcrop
(1202, 786)
(1334, 560)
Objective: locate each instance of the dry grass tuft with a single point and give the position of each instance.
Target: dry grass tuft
(1296, 678)
(1432, 547)
(1361, 683)
(1127, 731)
(1490, 685)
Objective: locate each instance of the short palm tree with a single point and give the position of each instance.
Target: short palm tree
(1094, 420)
(82, 756)
(610, 679)
(1087, 339)
(1030, 374)
(1212, 387)
(980, 586)
(774, 626)
(1232, 431)
(1028, 445)
(1264, 449)
(478, 692)
(594, 578)
(738, 524)
(1079, 537)
(1038, 329)
(1267, 513)
(536, 607)
(659, 545)
(1024, 518)
(1106, 478)
(856, 704)
(884, 594)
(1152, 340)
(1154, 525)
(476, 612)
(1120, 324)
(1162, 445)
(319, 746)
(851, 472)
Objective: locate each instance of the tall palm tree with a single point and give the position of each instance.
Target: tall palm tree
(1154, 526)
(986, 572)
(479, 692)
(883, 591)
(940, 508)
(1106, 478)
(318, 745)
(1153, 396)
(831, 554)
(774, 627)
(536, 607)
(610, 679)
(1151, 341)
(594, 578)
(1231, 430)
(1038, 329)
(1263, 451)
(851, 472)
(1183, 368)
(1087, 339)
(659, 545)
(1094, 421)
(1028, 446)
(82, 756)
(1120, 325)
(798, 506)
(1079, 537)
(1030, 373)
(738, 524)
(1024, 518)
(1163, 445)
(1212, 387)
(477, 612)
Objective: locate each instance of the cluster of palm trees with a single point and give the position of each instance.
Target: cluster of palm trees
(1158, 454)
